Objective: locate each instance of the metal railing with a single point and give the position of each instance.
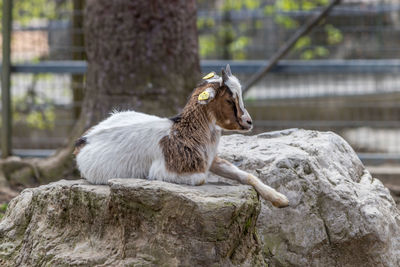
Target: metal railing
(5, 80)
(244, 68)
(241, 67)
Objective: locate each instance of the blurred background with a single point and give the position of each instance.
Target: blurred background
(344, 76)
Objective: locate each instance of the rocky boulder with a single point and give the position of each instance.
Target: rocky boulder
(131, 223)
(338, 214)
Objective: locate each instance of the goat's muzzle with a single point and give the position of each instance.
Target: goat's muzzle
(246, 122)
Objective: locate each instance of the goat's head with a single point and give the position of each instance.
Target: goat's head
(223, 97)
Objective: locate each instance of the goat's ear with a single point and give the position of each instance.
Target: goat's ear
(206, 96)
(224, 75)
(228, 70)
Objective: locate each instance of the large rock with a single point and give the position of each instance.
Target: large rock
(338, 214)
(131, 223)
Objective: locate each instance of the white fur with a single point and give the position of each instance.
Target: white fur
(215, 79)
(126, 145)
(234, 84)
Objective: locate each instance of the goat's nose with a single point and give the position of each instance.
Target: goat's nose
(246, 121)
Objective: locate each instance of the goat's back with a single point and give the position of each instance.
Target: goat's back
(122, 146)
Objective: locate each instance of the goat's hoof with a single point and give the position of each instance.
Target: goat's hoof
(201, 182)
(281, 201)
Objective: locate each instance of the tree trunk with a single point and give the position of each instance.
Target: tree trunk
(77, 42)
(142, 55)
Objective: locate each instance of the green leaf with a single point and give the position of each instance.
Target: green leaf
(252, 4)
(307, 55)
(334, 36)
(207, 45)
(321, 51)
(286, 21)
(288, 5)
(302, 43)
(269, 10)
(3, 207)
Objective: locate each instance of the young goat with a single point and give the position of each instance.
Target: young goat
(179, 150)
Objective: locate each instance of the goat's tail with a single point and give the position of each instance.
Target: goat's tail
(79, 143)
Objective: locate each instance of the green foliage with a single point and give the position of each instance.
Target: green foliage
(229, 5)
(3, 208)
(205, 22)
(304, 45)
(24, 11)
(237, 47)
(36, 115)
(286, 22)
(334, 35)
(305, 5)
(231, 38)
(302, 42)
(207, 45)
(33, 108)
(41, 119)
(226, 39)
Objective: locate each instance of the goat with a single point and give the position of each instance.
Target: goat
(180, 150)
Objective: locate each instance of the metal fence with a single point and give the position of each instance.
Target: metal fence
(344, 76)
(46, 96)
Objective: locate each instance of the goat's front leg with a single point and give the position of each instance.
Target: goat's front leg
(226, 169)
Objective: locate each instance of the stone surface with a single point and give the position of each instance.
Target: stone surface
(389, 175)
(338, 214)
(131, 223)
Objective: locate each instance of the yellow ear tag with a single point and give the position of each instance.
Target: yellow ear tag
(208, 76)
(204, 96)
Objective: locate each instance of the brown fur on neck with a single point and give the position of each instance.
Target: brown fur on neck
(185, 149)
